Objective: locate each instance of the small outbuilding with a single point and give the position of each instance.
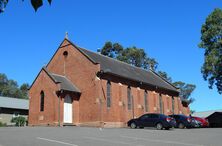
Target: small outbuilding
(12, 107)
(213, 116)
(215, 119)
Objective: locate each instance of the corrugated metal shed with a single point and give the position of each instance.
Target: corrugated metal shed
(205, 114)
(14, 103)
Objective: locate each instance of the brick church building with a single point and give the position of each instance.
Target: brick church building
(80, 87)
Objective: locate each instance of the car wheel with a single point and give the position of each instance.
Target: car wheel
(181, 126)
(159, 126)
(133, 125)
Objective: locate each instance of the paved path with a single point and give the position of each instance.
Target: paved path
(82, 136)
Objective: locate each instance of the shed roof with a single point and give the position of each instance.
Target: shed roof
(65, 84)
(205, 114)
(14, 103)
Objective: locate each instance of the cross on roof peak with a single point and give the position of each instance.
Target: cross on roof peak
(66, 36)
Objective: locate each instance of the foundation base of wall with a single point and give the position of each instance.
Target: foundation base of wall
(86, 124)
(103, 124)
(114, 124)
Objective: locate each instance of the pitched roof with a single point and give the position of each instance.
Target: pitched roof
(122, 69)
(205, 113)
(14, 103)
(65, 84)
(116, 67)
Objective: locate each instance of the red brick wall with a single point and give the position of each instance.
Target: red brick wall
(82, 72)
(119, 111)
(48, 116)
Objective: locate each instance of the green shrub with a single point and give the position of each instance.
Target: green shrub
(19, 121)
(2, 124)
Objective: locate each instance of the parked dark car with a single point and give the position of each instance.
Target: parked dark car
(159, 121)
(183, 121)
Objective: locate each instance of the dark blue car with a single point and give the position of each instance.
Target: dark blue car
(159, 121)
(183, 121)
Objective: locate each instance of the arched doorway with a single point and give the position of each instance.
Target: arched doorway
(67, 114)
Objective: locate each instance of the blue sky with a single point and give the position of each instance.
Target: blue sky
(168, 30)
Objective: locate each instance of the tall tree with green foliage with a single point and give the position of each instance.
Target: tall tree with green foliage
(211, 42)
(164, 75)
(153, 64)
(131, 55)
(10, 88)
(134, 56)
(24, 89)
(35, 4)
(185, 90)
(111, 49)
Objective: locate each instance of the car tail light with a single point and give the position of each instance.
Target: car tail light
(168, 119)
(188, 119)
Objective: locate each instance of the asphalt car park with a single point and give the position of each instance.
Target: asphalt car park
(86, 136)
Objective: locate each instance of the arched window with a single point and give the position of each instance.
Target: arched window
(42, 96)
(129, 99)
(108, 93)
(146, 101)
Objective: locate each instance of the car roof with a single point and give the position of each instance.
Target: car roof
(179, 115)
(155, 114)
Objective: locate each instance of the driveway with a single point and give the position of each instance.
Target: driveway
(84, 136)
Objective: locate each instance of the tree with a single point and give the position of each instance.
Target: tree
(164, 75)
(185, 90)
(24, 89)
(152, 63)
(3, 82)
(111, 50)
(131, 55)
(211, 42)
(3, 4)
(10, 88)
(35, 4)
(134, 56)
